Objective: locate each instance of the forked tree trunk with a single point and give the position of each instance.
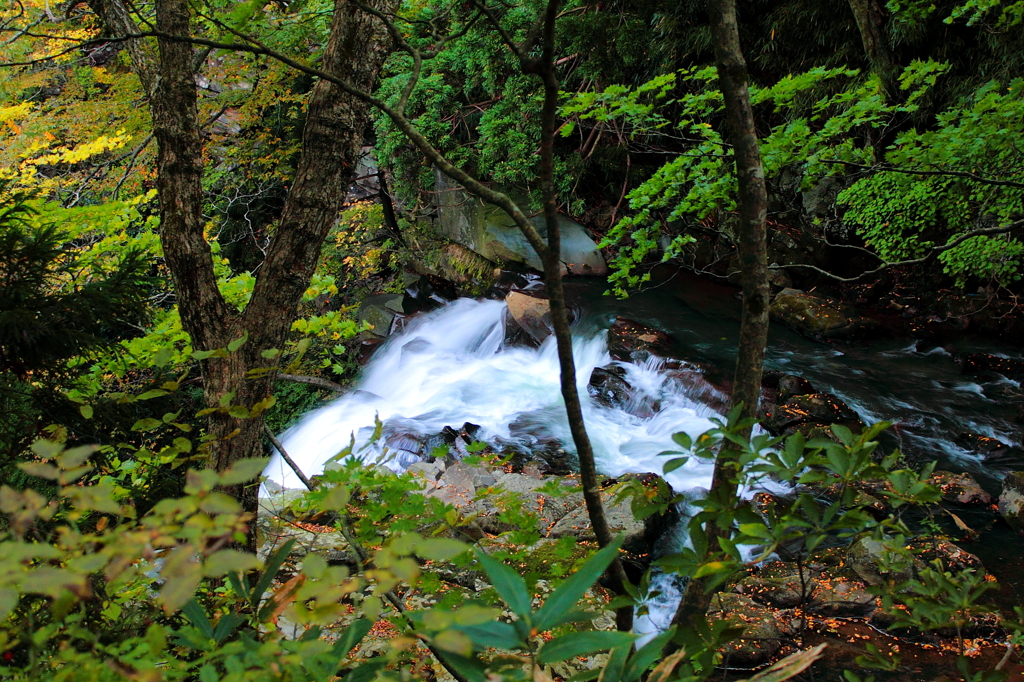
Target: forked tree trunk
(753, 206)
(336, 121)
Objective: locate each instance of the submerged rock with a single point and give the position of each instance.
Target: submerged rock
(627, 338)
(983, 362)
(816, 317)
(808, 412)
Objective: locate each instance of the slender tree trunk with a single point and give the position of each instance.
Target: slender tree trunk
(545, 68)
(753, 204)
(333, 135)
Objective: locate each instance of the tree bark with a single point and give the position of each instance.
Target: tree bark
(871, 25)
(333, 135)
(753, 206)
(545, 69)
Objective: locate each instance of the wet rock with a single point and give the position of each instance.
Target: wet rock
(961, 488)
(817, 317)
(876, 565)
(836, 597)
(953, 558)
(608, 385)
(380, 310)
(982, 362)
(780, 591)
(641, 535)
(531, 313)
(627, 338)
(997, 454)
(1011, 501)
(805, 412)
(762, 632)
(791, 385)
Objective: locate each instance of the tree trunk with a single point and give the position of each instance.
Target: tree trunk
(871, 25)
(545, 68)
(333, 135)
(753, 206)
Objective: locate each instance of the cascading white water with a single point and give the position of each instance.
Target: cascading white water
(451, 367)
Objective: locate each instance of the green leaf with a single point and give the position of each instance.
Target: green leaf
(510, 585)
(40, 470)
(440, 549)
(351, 636)
(273, 565)
(646, 656)
(197, 616)
(162, 356)
(153, 393)
(366, 671)
(582, 643)
(494, 634)
(86, 411)
(226, 625)
(239, 411)
(572, 590)
(244, 470)
(229, 561)
(683, 439)
(147, 424)
(238, 343)
(270, 353)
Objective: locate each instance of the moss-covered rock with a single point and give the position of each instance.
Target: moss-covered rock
(817, 317)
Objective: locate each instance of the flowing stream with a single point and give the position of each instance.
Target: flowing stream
(451, 366)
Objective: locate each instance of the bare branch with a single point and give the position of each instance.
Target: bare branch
(930, 255)
(287, 458)
(312, 381)
(912, 171)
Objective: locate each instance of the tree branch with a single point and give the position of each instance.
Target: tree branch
(312, 381)
(932, 253)
(911, 171)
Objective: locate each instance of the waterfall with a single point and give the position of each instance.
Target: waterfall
(452, 366)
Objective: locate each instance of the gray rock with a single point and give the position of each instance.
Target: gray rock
(459, 477)
(491, 233)
(428, 470)
(817, 317)
(843, 598)
(620, 519)
(762, 632)
(875, 565)
(960, 488)
(1011, 501)
(380, 311)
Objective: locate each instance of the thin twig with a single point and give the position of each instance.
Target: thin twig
(312, 381)
(287, 458)
(917, 171)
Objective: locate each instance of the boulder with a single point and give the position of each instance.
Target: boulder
(816, 317)
(642, 536)
(608, 385)
(961, 488)
(806, 412)
(779, 591)
(953, 558)
(762, 631)
(627, 338)
(380, 310)
(875, 564)
(997, 454)
(531, 313)
(490, 232)
(836, 597)
(1011, 501)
